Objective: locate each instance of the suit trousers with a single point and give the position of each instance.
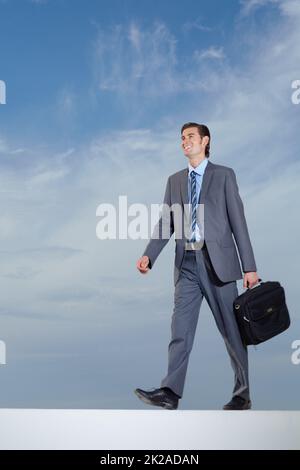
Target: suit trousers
(198, 279)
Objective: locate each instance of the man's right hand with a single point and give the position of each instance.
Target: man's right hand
(142, 264)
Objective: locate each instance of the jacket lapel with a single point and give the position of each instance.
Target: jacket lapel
(206, 180)
(184, 187)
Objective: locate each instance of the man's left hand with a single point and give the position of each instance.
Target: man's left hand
(250, 279)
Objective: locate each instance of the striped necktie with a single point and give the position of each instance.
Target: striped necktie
(194, 205)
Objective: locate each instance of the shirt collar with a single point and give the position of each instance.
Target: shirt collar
(200, 168)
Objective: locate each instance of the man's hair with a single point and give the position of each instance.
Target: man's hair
(203, 131)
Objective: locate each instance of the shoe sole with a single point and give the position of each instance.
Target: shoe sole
(238, 409)
(164, 404)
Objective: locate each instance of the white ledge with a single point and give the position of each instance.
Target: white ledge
(148, 429)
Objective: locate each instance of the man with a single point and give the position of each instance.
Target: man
(206, 264)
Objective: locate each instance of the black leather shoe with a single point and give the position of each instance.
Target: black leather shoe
(238, 403)
(163, 397)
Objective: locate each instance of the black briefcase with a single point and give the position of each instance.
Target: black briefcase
(261, 312)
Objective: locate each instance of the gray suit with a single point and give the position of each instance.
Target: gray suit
(223, 217)
(211, 272)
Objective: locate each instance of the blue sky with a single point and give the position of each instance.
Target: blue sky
(55, 50)
(96, 95)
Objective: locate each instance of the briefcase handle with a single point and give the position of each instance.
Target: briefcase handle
(256, 285)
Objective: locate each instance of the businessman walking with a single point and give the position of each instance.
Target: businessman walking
(206, 264)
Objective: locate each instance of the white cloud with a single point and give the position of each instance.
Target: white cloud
(66, 105)
(198, 23)
(135, 36)
(6, 149)
(145, 63)
(290, 8)
(128, 59)
(249, 6)
(210, 53)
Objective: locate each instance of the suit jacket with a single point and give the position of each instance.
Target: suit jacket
(225, 227)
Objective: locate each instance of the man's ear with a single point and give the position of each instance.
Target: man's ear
(206, 140)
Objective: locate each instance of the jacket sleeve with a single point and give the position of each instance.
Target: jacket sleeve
(236, 215)
(163, 230)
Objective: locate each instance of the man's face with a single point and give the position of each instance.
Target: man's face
(191, 142)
